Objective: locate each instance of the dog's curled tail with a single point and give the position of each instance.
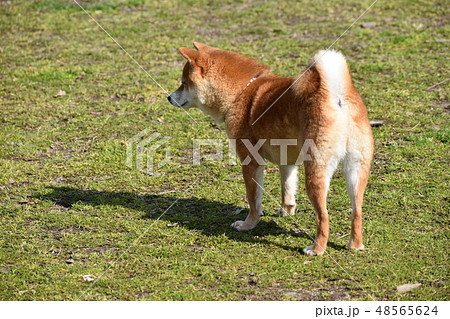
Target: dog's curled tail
(334, 74)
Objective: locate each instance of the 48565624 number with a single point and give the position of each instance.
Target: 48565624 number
(407, 310)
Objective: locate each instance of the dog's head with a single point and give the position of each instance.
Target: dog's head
(212, 78)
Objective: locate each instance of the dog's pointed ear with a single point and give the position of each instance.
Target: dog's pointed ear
(189, 54)
(196, 59)
(200, 46)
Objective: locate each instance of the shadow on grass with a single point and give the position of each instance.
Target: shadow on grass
(210, 217)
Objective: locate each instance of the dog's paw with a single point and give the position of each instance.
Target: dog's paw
(352, 246)
(309, 251)
(241, 225)
(286, 210)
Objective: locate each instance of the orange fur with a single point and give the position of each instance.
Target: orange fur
(333, 116)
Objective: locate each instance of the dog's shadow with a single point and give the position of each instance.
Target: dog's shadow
(209, 217)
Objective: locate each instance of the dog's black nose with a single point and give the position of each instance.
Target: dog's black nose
(170, 99)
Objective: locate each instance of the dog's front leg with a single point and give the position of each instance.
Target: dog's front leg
(253, 177)
(288, 174)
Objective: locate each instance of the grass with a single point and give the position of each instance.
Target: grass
(70, 207)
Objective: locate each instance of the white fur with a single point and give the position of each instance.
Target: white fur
(239, 224)
(308, 251)
(289, 181)
(333, 66)
(259, 189)
(351, 167)
(332, 164)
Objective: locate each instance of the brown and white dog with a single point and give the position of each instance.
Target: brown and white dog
(273, 117)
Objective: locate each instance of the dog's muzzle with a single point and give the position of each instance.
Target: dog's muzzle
(174, 102)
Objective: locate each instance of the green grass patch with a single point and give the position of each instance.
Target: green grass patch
(70, 205)
(58, 5)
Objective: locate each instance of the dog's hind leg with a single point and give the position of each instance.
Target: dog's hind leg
(317, 183)
(356, 173)
(253, 177)
(289, 180)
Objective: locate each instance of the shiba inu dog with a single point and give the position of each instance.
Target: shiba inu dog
(273, 117)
